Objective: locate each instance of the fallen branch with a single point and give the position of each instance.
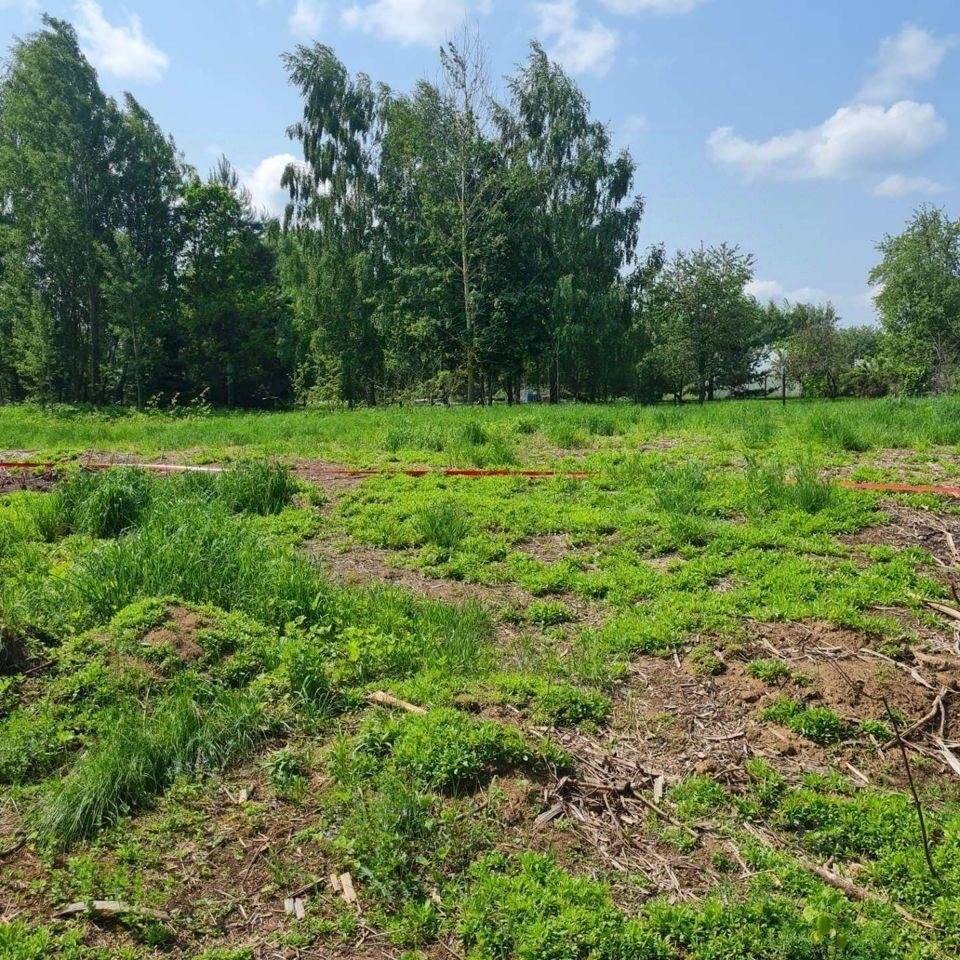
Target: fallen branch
(851, 889)
(856, 892)
(389, 700)
(110, 908)
(935, 709)
(950, 612)
(11, 850)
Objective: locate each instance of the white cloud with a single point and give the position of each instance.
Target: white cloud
(853, 307)
(633, 125)
(652, 6)
(855, 139)
(306, 19)
(899, 185)
(412, 21)
(26, 7)
(581, 46)
(910, 57)
(774, 290)
(120, 50)
(263, 182)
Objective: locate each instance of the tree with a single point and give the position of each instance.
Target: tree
(233, 315)
(141, 286)
(708, 328)
(332, 257)
(918, 298)
(582, 225)
(815, 350)
(57, 136)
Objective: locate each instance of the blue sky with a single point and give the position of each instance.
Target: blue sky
(803, 131)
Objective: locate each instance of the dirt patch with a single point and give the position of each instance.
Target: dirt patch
(913, 527)
(546, 547)
(902, 465)
(178, 633)
(371, 566)
(16, 481)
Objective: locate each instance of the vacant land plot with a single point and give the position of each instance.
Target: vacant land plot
(694, 701)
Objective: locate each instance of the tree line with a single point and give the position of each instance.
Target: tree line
(442, 244)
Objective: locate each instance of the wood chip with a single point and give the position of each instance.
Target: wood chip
(658, 784)
(346, 882)
(389, 700)
(335, 883)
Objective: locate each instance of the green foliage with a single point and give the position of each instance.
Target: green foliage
(140, 754)
(819, 724)
(679, 489)
(444, 749)
(548, 613)
(772, 672)
(442, 525)
(256, 486)
(529, 908)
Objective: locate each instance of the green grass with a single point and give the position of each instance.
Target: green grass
(170, 643)
(139, 756)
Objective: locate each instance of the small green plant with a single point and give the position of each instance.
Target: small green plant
(442, 525)
(705, 661)
(473, 433)
(256, 486)
(531, 908)
(774, 673)
(876, 729)
(444, 748)
(808, 492)
(679, 489)
(287, 770)
(139, 755)
(819, 724)
(548, 613)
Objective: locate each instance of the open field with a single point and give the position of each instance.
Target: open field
(677, 709)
